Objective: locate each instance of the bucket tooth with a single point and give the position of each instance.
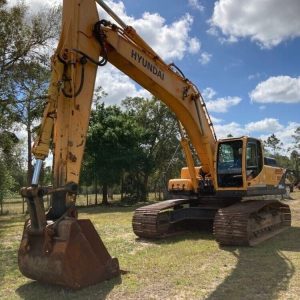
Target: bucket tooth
(72, 255)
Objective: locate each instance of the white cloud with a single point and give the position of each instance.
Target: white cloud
(208, 93)
(267, 22)
(216, 120)
(36, 5)
(196, 4)
(265, 125)
(283, 133)
(280, 89)
(218, 105)
(254, 76)
(221, 105)
(117, 85)
(170, 41)
(194, 45)
(223, 130)
(205, 58)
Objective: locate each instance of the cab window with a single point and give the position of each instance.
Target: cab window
(253, 159)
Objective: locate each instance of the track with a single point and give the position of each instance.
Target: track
(153, 221)
(241, 224)
(250, 223)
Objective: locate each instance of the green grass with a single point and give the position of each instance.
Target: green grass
(189, 266)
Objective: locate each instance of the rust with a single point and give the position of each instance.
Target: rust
(73, 255)
(72, 157)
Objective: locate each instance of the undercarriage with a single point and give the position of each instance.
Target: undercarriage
(235, 222)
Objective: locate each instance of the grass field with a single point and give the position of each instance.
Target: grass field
(189, 266)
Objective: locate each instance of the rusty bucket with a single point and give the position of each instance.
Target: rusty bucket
(70, 254)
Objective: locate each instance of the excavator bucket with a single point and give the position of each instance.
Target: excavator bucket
(69, 253)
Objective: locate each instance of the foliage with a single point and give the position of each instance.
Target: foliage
(23, 39)
(273, 143)
(29, 83)
(24, 65)
(133, 146)
(6, 181)
(295, 155)
(11, 164)
(112, 145)
(159, 140)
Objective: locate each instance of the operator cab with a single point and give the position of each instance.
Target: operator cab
(238, 160)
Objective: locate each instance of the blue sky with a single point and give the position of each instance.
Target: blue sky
(246, 63)
(242, 54)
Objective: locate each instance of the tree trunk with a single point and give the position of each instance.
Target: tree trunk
(87, 196)
(159, 192)
(104, 194)
(96, 192)
(122, 187)
(1, 203)
(145, 188)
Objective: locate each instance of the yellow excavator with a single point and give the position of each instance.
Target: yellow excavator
(59, 248)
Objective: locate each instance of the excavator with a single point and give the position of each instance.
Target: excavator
(56, 246)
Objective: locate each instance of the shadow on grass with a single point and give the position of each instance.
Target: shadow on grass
(189, 230)
(35, 290)
(262, 272)
(117, 207)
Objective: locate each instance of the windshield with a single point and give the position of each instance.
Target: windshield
(230, 155)
(229, 166)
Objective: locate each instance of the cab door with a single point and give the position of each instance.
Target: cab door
(254, 158)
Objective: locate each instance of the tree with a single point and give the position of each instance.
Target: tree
(296, 138)
(6, 182)
(30, 84)
(159, 140)
(112, 145)
(24, 40)
(273, 143)
(295, 154)
(9, 167)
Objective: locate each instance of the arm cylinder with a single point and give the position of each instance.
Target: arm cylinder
(37, 172)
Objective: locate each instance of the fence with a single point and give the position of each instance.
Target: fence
(18, 205)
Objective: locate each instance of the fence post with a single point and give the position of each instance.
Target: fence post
(1, 203)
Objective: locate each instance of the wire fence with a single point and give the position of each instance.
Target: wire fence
(18, 205)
